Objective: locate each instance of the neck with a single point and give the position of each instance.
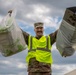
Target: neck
(38, 37)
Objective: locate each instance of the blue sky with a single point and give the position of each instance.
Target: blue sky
(51, 13)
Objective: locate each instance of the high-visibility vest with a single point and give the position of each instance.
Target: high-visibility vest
(40, 49)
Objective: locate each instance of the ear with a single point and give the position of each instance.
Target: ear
(34, 29)
(43, 29)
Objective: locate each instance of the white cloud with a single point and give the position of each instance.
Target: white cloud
(5, 62)
(22, 65)
(54, 47)
(0, 18)
(39, 14)
(40, 9)
(64, 68)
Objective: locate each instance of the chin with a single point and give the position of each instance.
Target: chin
(40, 35)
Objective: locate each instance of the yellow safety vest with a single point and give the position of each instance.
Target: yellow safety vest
(40, 49)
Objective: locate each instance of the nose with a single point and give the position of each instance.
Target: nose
(39, 29)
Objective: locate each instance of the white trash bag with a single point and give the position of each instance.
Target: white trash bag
(66, 36)
(11, 37)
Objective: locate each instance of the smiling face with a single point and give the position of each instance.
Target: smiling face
(39, 31)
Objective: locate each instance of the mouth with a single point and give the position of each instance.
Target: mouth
(39, 32)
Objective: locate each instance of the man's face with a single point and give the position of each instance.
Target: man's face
(39, 31)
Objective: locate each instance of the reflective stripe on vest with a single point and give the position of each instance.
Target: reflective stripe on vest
(43, 49)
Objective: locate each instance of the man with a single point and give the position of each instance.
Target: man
(39, 56)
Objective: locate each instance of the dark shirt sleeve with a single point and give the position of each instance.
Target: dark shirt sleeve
(26, 36)
(53, 37)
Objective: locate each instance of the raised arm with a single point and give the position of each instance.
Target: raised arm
(26, 36)
(53, 37)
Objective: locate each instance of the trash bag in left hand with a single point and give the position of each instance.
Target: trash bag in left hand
(11, 37)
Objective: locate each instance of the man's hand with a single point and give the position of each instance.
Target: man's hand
(64, 54)
(10, 12)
